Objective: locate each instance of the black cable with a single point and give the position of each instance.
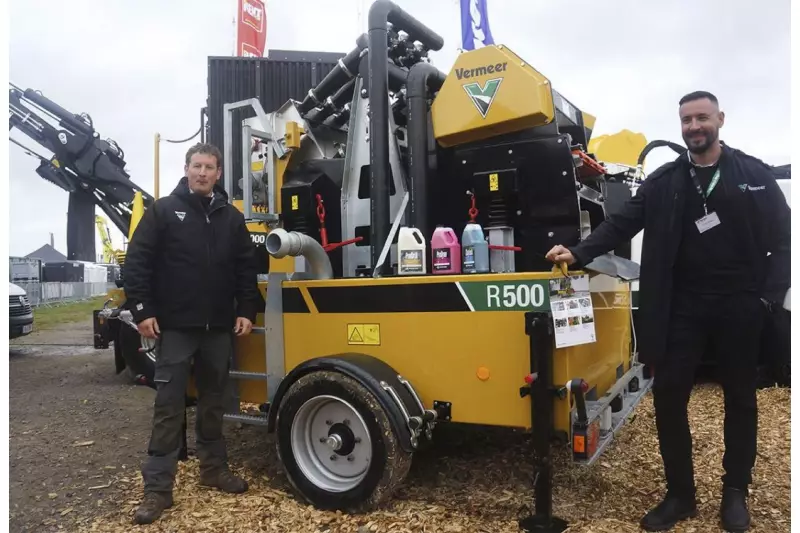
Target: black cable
(656, 144)
(187, 139)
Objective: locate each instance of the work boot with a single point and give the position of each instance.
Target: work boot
(152, 506)
(733, 510)
(669, 512)
(224, 480)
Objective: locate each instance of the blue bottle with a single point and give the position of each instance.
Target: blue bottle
(474, 250)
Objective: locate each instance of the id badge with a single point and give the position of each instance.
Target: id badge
(707, 222)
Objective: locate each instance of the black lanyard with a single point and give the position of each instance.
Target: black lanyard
(704, 196)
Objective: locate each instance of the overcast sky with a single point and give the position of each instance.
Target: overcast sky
(140, 67)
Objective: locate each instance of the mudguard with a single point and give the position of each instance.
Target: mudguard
(369, 372)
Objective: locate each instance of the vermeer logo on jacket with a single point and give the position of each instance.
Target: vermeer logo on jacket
(181, 215)
(744, 187)
(483, 97)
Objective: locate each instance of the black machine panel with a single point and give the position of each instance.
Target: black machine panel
(526, 184)
(303, 188)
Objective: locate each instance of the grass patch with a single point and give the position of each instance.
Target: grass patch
(67, 313)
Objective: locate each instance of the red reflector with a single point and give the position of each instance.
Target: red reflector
(584, 387)
(530, 378)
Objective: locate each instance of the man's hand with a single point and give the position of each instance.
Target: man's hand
(149, 328)
(559, 254)
(243, 326)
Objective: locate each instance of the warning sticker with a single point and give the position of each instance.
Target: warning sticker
(295, 202)
(364, 334)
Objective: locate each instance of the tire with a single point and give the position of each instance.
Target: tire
(366, 471)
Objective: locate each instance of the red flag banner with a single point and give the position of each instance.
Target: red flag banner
(251, 35)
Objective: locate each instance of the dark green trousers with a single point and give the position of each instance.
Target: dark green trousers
(211, 352)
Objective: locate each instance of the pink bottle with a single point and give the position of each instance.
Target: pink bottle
(445, 252)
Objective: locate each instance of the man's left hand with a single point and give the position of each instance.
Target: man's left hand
(243, 326)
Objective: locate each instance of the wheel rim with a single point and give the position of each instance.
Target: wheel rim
(331, 443)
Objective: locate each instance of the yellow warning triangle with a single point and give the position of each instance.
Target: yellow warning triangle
(355, 336)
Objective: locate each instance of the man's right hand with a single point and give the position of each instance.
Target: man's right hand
(149, 328)
(559, 254)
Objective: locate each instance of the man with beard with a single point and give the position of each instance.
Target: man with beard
(715, 259)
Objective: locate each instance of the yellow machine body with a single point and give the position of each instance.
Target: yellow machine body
(476, 360)
(490, 91)
(622, 147)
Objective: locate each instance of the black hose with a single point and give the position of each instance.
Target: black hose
(344, 71)
(677, 148)
(381, 12)
(421, 78)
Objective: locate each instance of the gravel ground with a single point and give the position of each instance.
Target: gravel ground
(78, 433)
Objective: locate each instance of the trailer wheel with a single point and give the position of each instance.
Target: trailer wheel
(337, 445)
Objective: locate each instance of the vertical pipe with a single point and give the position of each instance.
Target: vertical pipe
(156, 164)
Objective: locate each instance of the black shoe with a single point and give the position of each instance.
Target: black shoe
(151, 508)
(669, 512)
(733, 510)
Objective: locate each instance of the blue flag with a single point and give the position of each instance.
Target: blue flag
(475, 32)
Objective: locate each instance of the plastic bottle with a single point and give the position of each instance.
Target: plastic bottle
(475, 250)
(445, 251)
(411, 252)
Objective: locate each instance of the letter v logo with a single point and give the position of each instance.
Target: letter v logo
(483, 97)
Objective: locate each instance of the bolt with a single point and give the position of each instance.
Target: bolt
(363, 92)
(322, 440)
(346, 422)
(358, 440)
(333, 457)
(563, 172)
(550, 234)
(350, 458)
(560, 141)
(463, 161)
(511, 151)
(328, 422)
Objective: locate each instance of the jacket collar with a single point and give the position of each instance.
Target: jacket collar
(220, 196)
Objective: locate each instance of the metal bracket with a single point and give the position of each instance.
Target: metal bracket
(273, 326)
(414, 423)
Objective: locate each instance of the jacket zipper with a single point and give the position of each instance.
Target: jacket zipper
(208, 268)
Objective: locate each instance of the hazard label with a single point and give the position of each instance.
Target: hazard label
(494, 182)
(364, 334)
(295, 202)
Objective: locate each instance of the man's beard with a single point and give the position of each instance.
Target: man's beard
(699, 146)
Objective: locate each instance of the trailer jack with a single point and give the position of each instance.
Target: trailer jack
(539, 327)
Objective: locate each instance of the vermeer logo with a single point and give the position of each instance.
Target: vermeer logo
(253, 15)
(483, 97)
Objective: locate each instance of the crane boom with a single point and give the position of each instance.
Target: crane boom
(81, 160)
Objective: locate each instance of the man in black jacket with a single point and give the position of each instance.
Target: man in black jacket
(715, 258)
(191, 282)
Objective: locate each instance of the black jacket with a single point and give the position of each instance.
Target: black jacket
(761, 214)
(189, 267)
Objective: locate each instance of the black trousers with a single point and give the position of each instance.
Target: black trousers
(212, 352)
(731, 326)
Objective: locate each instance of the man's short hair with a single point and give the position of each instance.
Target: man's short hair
(698, 95)
(204, 148)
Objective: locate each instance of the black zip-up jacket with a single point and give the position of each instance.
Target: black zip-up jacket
(190, 267)
(755, 205)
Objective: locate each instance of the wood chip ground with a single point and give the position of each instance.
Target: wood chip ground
(479, 479)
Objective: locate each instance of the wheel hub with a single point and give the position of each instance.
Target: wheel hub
(331, 443)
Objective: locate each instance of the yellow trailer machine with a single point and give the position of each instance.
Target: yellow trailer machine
(373, 331)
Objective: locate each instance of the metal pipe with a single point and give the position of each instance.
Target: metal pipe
(281, 243)
(421, 77)
(381, 12)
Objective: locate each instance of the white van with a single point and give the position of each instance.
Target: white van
(20, 313)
